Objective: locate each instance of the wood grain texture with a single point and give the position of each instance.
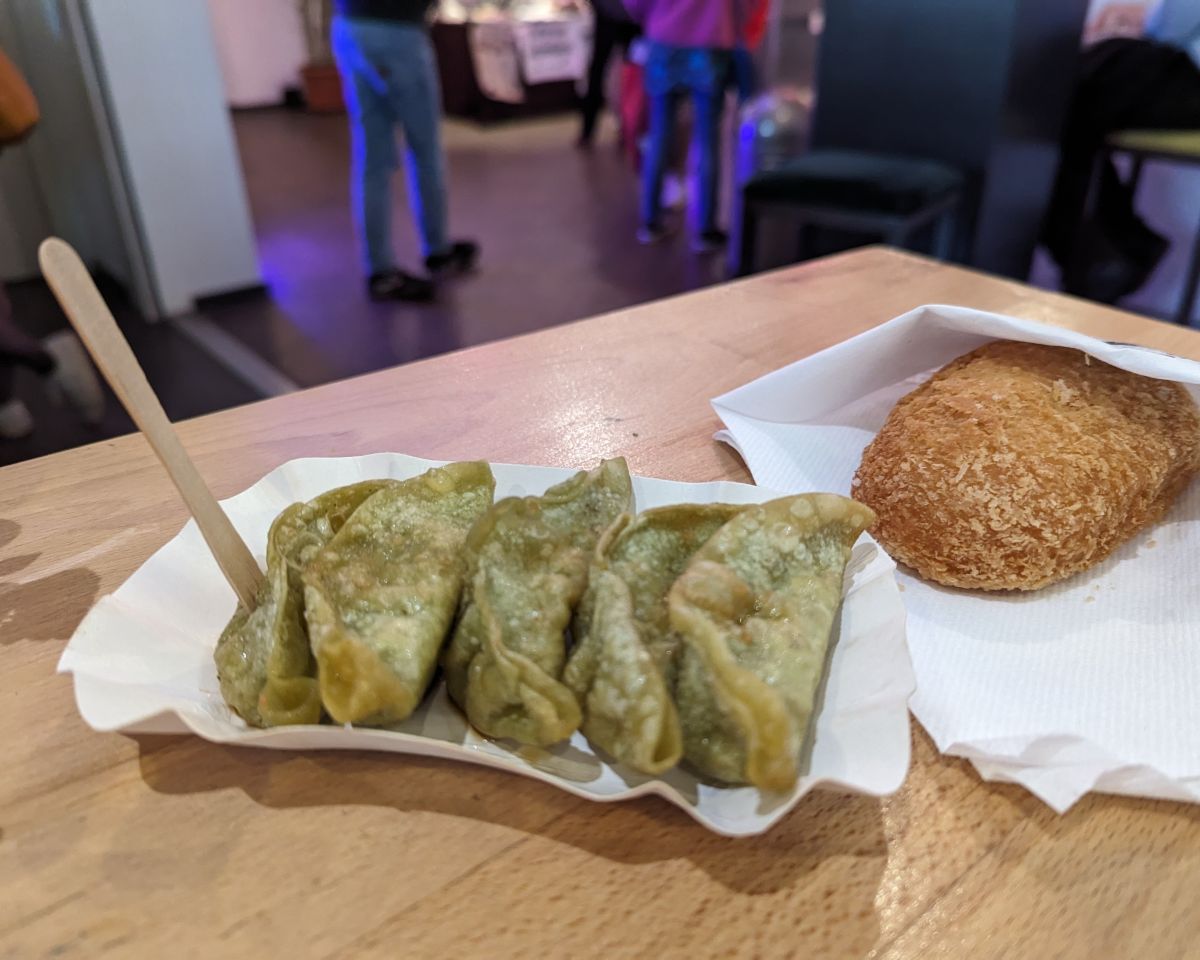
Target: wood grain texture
(155, 847)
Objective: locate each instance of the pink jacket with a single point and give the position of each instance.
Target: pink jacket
(691, 23)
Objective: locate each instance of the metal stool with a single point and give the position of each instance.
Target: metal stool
(888, 196)
(1177, 146)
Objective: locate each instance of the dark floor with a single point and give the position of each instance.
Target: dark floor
(556, 225)
(188, 381)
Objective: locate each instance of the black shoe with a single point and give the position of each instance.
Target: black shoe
(459, 259)
(650, 233)
(1145, 246)
(398, 285)
(1105, 279)
(710, 240)
(587, 130)
(1100, 271)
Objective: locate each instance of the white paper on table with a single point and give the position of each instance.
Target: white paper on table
(142, 660)
(1085, 685)
(494, 56)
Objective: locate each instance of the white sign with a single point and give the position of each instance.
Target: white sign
(495, 58)
(553, 50)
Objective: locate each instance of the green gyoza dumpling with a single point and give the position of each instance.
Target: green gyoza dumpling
(623, 666)
(755, 608)
(528, 563)
(380, 596)
(264, 664)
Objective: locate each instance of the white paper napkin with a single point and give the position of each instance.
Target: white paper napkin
(1085, 685)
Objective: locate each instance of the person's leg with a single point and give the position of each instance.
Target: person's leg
(59, 360)
(1172, 103)
(417, 101)
(1120, 222)
(16, 346)
(1123, 84)
(744, 74)
(1175, 103)
(362, 55)
(605, 37)
(1080, 143)
(373, 147)
(654, 164)
(709, 105)
(7, 363)
(1110, 75)
(415, 96)
(15, 420)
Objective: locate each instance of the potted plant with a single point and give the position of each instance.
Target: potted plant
(321, 82)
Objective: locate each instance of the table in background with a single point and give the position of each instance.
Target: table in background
(148, 846)
(462, 97)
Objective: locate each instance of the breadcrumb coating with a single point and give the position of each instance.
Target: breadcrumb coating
(1018, 465)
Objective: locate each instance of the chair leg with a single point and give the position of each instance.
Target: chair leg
(1076, 259)
(1187, 300)
(898, 236)
(806, 234)
(943, 238)
(748, 236)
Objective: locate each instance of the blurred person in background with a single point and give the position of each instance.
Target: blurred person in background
(745, 72)
(59, 361)
(1137, 72)
(387, 64)
(691, 44)
(1176, 22)
(635, 128)
(613, 30)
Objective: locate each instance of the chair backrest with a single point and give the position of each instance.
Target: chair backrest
(920, 77)
(966, 82)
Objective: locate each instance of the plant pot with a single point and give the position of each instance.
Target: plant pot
(323, 88)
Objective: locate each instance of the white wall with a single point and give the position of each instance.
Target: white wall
(167, 108)
(260, 46)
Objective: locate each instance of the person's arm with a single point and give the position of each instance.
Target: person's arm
(1176, 22)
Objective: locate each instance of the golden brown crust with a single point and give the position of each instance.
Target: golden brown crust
(1018, 465)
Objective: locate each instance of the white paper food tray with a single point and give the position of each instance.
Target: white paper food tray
(142, 662)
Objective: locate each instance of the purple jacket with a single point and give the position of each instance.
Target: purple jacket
(691, 23)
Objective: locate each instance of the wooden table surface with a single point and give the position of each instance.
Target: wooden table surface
(170, 846)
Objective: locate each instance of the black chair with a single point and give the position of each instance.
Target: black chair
(886, 196)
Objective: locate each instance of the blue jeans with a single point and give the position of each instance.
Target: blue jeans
(672, 73)
(391, 80)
